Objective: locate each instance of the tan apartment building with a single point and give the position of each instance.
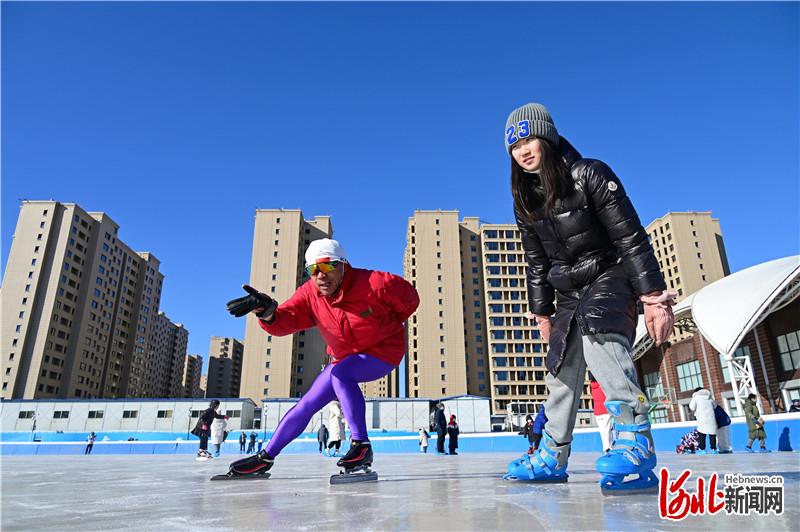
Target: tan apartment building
(192, 369)
(517, 352)
(446, 339)
(77, 307)
(203, 384)
(690, 252)
(689, 249)
(275, 367)
(169, 343)
(224, 367)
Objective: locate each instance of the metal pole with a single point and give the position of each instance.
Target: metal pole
(763, 368)
(189, 425)
(734, 373)
(708, 369)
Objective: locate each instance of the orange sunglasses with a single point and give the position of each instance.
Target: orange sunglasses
(324, 267)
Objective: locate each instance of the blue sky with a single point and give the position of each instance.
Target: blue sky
(180, 119)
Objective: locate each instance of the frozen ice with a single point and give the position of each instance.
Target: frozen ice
(415, 492)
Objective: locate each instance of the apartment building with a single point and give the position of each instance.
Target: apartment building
(192, 369)
(689, 249)
(169, 342)
(690, 252)
(517, 352)
(446, 339)
(224, 367)
(78, 307)
(275, 367)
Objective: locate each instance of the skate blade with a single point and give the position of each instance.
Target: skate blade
(607, 492)
(540, 481)
(262, 476)
(528, 480)
(350, 478)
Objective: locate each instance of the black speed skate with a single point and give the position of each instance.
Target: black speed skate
(355, 465)
(252, 467)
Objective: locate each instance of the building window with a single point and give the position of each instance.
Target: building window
(26, 414)
(689, 376)
(653, 381)
(164, 414)
(130, 414)
(659, 415)
(95, 414)
(789, 350)
(61, 414)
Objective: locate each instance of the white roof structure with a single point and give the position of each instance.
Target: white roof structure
(727, 309)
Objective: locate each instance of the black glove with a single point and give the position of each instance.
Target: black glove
(253, 301)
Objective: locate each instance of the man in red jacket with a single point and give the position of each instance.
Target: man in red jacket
(361, 314)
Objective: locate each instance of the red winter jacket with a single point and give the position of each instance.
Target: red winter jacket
(598, 398)
(366, 315)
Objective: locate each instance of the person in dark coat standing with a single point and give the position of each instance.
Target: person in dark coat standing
(723, 430)
(755, 424)
(251, 446)
(587, 251)
(203, 428)
(527, 431)
(90, 443)
(533, 429)
(322, 437)
(452, 433)
(242, 442)
(440, 426)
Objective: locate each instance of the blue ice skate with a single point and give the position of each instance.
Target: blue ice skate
(632, 453)
(547, 465)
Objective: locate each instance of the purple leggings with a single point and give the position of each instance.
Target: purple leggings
(340, 382)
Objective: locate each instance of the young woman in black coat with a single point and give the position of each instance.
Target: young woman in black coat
(589, 262)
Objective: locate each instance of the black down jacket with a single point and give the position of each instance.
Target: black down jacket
(592, 252)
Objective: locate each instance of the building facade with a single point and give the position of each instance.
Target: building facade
(224, 367)
(281, 366)
(78, 307)
(446, 343)
(169, 342)
(773, 349)
(689, 249)
(470, 334)
(192, 370)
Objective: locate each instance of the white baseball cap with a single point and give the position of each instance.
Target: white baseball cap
(322, 249)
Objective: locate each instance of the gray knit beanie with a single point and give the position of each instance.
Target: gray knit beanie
(532, 119)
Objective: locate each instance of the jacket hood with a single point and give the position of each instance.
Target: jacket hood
(568, 152)
(702, 394)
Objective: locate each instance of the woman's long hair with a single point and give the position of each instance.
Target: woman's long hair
(554, 178)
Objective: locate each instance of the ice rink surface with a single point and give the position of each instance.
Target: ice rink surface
(415, 492)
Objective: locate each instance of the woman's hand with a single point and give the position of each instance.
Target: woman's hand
(658, 317)
(545, 326)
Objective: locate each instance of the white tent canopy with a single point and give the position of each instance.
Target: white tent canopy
(726, 310)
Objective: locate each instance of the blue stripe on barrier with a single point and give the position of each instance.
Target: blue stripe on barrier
(666, 437)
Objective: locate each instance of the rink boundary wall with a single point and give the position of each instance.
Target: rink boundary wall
(666, 437)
